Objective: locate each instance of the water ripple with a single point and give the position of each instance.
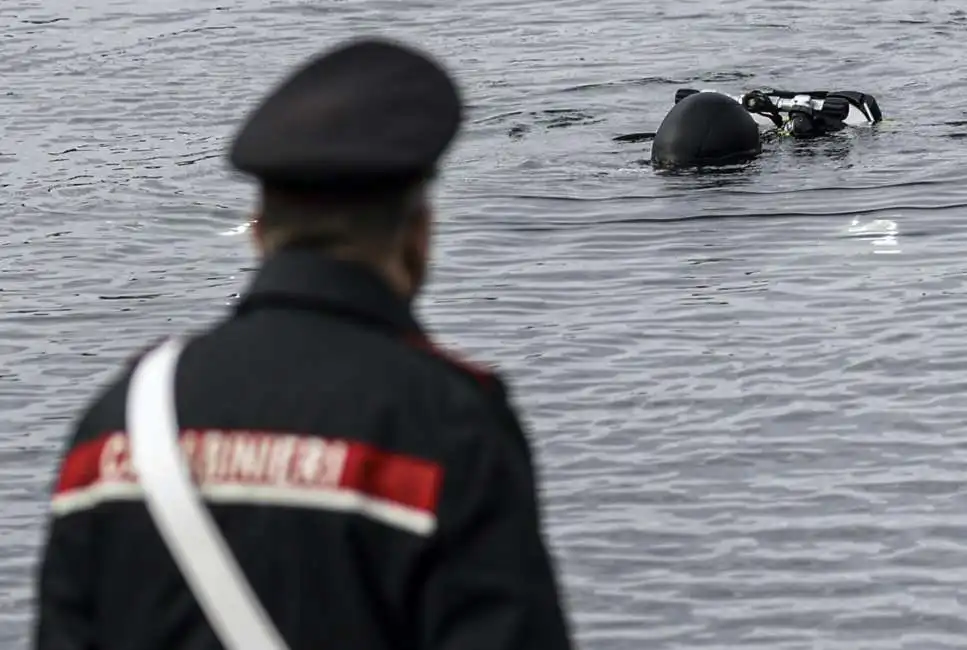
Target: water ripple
(745, 388)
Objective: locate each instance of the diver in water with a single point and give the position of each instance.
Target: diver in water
(708, 128)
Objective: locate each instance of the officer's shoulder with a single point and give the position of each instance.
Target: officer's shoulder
(104, 412)
(456, 363)
(135, 358)
(470, 391)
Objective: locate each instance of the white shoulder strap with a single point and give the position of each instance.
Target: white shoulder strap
(200, 551)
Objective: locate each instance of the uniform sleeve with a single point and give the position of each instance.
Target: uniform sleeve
(66, 587)
(491, 583)
(64, 599)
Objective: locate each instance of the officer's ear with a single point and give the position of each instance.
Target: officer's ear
(257, 233)
(416, 236)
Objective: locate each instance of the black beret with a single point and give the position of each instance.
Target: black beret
(371, 112)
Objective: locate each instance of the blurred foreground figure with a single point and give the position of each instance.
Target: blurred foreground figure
(376, 493)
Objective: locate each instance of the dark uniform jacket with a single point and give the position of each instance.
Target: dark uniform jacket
(376, 493)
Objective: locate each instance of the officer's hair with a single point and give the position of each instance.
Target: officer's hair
(326, 219)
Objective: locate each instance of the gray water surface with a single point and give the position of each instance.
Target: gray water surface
(746, 390)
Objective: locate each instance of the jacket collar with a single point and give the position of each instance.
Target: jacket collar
(306, 279)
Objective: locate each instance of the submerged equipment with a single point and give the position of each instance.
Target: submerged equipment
(804, 114)
(708, 127)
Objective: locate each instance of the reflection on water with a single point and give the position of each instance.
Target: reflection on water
(883, 234)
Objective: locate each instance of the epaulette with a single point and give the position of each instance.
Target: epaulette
(483, 375)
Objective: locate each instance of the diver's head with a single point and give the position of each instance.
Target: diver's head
(706, 128)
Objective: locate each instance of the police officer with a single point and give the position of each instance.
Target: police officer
(376, 492)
